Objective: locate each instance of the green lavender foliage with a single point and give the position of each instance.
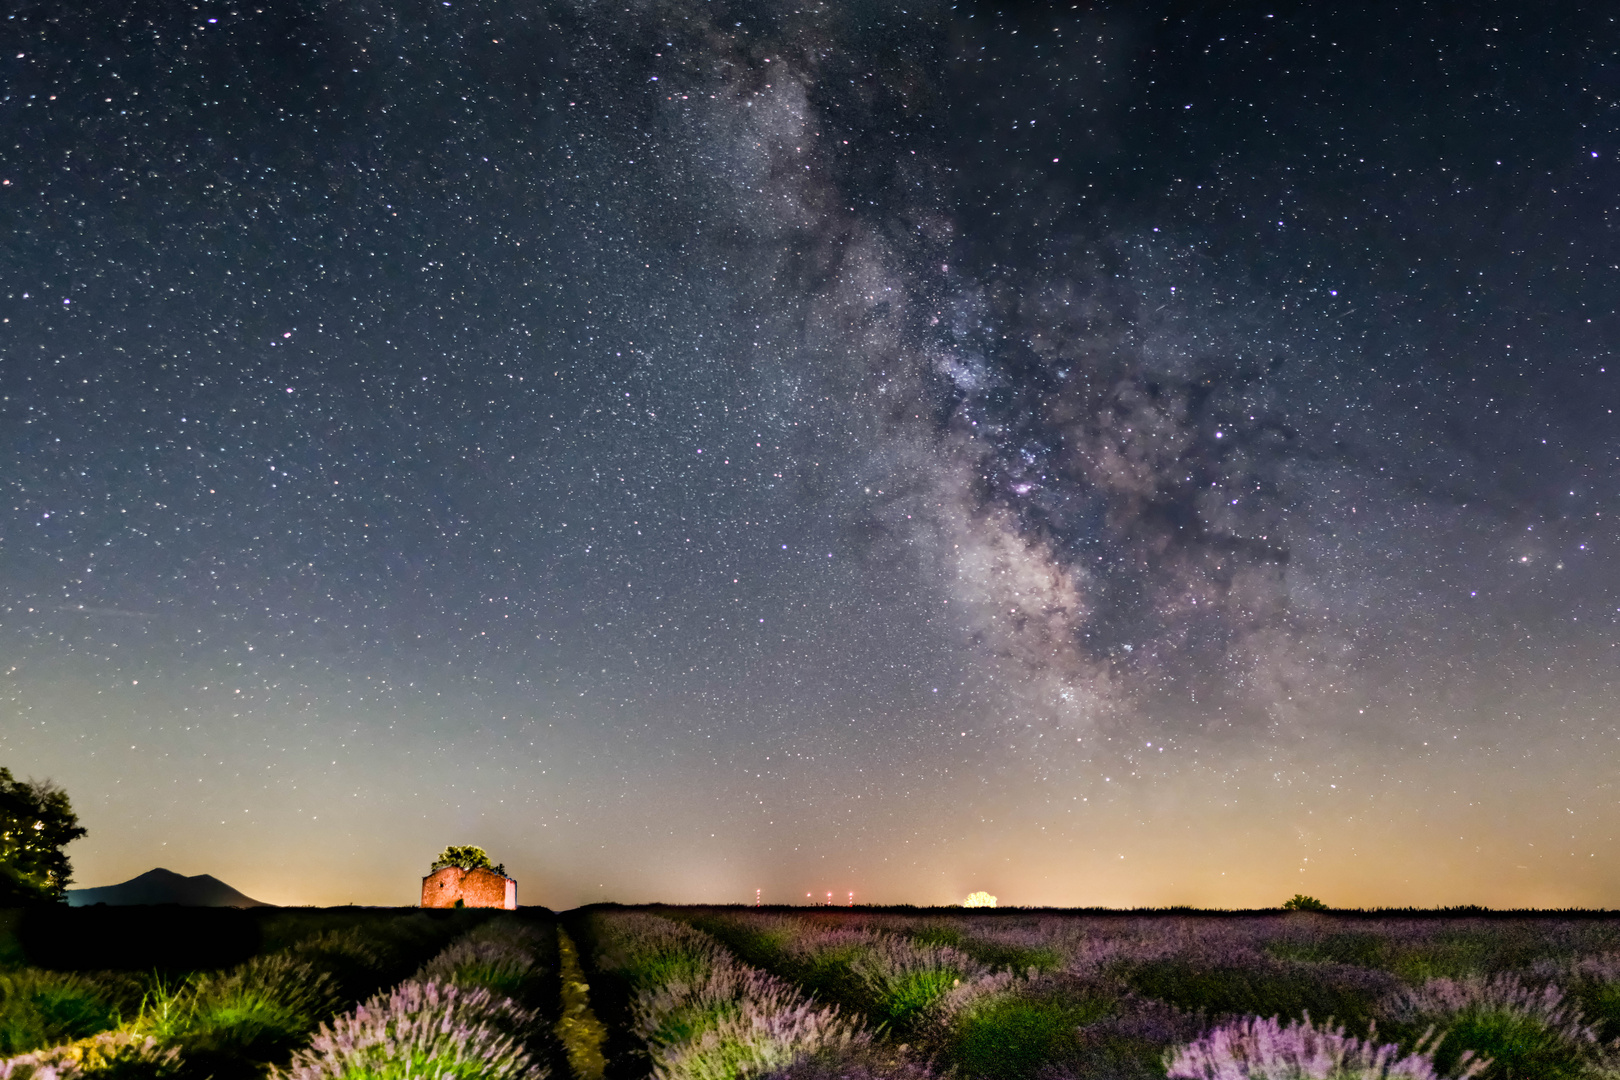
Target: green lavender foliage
(43, 1008)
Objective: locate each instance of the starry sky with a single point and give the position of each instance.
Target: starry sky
(1101, 453)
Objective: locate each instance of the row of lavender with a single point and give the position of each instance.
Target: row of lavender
(58, 1025)
(460, 1011)
(1071, 996)
(466, 1015)
(701, 1014)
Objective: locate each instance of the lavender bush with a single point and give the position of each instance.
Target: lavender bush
(1528, 1031)
(1107, 994)
(1257, 1048)
(905, 980)
(502, 957)
(257, 1010)
(108, 1056)
(870, 963)
(428, 1030)
(39, 1008)
(989, 1023)
(706, 1016)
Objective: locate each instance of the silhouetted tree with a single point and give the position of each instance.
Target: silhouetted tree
(1301, 902)
(36, 823)
(468, 858)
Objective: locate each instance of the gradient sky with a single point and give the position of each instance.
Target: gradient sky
(1104, 454)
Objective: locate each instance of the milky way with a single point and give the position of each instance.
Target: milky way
(1100, 453)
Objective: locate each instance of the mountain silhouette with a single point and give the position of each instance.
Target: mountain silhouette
(162, 886)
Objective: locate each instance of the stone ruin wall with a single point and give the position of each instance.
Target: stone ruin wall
(474, 888)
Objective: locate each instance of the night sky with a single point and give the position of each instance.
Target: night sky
(1132, 453)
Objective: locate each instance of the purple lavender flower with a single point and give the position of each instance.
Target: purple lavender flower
(498, 956)
(110, 1051)
(706, 1015)
(32, 1067)
(422, 1030)
(1257, 1048)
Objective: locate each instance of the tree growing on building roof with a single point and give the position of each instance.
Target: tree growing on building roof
(468, 858)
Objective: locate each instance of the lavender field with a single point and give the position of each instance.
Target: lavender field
(703, 993)
(726, 992)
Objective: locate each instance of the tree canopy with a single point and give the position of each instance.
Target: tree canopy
(468, 858)
(36, 823)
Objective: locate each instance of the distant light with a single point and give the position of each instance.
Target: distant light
(979, 899)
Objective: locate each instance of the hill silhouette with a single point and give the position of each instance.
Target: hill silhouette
(162, 886)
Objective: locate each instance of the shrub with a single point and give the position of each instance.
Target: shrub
(754, 1034)
(1594, 982)
(1256, 1048)
(1525, 1032)
(500, 957)
(1301, 902)
(258, 1010)
(42, 1008)
(707, 1016)
(1013, 1035)
(428, 1030)
(939, 934)
(356, 964)
(863, 1061)
(1363, 950)
(903, 980)
(1258, 985)
(112, 1055)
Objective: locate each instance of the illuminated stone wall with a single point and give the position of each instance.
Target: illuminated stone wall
(474, 888)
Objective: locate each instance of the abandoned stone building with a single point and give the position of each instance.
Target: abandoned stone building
(472, 888)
